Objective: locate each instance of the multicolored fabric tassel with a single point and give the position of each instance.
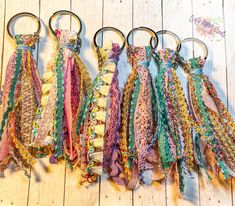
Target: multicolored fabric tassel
(212, 115)
(174, 133)
(99, 121)
(21, 96)
(65, 83)
(138, 120)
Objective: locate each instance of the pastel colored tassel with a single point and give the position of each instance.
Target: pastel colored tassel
(21, 96)
(174, 133)
(138, 120)
(65, 83)
(212, 115)
(99, 121)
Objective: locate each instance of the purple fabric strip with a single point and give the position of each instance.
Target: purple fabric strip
(111, 152)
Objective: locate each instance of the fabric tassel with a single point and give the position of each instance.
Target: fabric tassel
(65, 84)
(138, 120)
(21, 96)
(174, 134)
(99, 121)
(212, 115)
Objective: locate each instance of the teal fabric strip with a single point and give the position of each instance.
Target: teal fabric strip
(162, 135)
(83, 114)
(131, 146)
(198, 150)
(181, 176)
(59, 105)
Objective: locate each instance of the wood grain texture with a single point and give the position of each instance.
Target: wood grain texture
(229, 8)
(47, 186)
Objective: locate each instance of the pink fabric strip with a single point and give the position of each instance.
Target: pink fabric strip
(8, 78)
(4, 146)
(75, 89)
(67, 104)
(143, 120)
(111, 152)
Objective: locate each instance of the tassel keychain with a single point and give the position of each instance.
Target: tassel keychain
(99, 121)
(212, 115)
(138, 120)
(21, 96)
(65, 83)
(174, 135)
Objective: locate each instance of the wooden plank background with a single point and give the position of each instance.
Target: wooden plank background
(58, 186)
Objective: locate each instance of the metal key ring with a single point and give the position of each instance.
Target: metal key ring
(64, 12)
(198, 41)
(153, 34)
(175, 36)
(23, 14)
(108, 28)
